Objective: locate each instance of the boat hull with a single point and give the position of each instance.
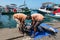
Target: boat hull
(43, 13)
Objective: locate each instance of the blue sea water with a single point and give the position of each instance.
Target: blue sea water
(6, 22)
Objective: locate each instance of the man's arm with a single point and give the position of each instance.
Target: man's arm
(36, 23)
(33, 22)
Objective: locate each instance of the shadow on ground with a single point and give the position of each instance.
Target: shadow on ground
(14, 38)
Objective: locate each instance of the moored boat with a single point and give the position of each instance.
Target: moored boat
(48, 8)
(55, 14)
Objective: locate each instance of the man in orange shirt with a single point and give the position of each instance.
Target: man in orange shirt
(20, 18)
(36, 20)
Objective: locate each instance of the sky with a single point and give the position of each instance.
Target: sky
(30, 3)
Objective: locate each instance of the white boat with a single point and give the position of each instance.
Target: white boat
(55, 14)
(48, 8)
(44, 10)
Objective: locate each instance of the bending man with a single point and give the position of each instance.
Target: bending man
(20, 18)
(36, 20)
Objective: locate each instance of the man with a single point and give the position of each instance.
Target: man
(20, 18)
(36, 20)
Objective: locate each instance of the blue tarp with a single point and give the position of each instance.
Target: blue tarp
(41, 34)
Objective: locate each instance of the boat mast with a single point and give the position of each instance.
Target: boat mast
(24, 3)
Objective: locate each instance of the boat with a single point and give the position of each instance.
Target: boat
(47, 8)
(9, 9)
(12, 9)
(24, 9)
(55, 14)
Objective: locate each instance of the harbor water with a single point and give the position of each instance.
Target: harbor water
(7, 21)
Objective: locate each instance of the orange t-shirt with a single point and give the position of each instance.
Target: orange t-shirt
(20, 16)
(37, 17)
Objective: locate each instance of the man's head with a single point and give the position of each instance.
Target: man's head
(15, 16)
